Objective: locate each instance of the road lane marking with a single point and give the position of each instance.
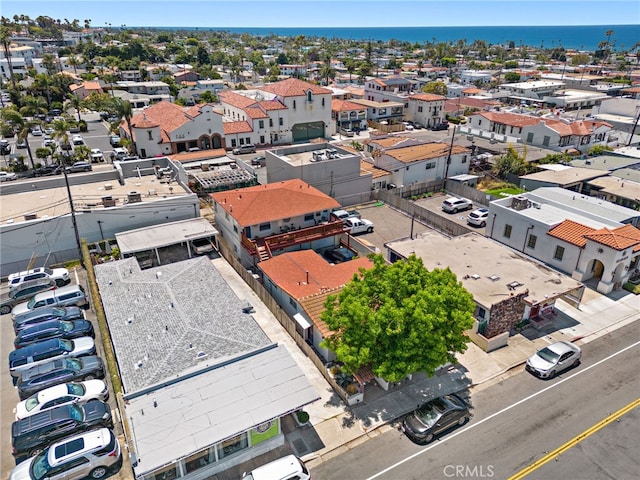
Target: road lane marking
(574, 441)
(504, 410)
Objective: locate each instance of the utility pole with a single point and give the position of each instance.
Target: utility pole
(73, 216)
(446, 170)
(635, 124)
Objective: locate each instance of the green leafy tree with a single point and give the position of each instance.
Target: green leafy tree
(399, 318)
(22, 128)
(512, 77)
(436, 88)
(208, 97)
(510, 163)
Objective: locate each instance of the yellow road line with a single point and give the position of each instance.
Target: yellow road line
(573, 442)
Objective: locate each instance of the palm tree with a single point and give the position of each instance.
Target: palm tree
(22, 127)
(75, 103)
(124, 110)
(6, 29)
(60, 133)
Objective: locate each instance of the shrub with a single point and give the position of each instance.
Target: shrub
(352, 389)
(303, 417)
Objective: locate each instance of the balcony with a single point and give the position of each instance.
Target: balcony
(291, 238)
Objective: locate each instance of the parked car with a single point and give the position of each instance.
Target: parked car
(49, 131)
(66, 329)
(347, 132)
(418, 126)
(96, 155)
(339, 255)
(344, 214)
(440, 126)
(553, 359)
(77, 140)
(242, 149)
(36, 131)
(49, 142)
(41, 352)
(77, 393)
(120, 153)
(58, 275)
(114, 140)
(435, 417)
(455, 205)
(19, 295)
(289, 467)
(59, 371)
(202, 246)
(5, 147)
(260, 160)
(358, 225)
(94, 454)
(478, 217)
(7, 176)
(21, 144)
(79, 167)
(45, 314)
(71, 295)
(31, 435)
(46, 170)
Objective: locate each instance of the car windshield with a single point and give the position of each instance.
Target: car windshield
(66, 326)
(58, 311)
(429, 413)
(40, 466)
(76, 412)
(73, 364)
(48, 271)
(75, 389)
(31, 303)
(66, 345)
(548, 355)
(31, 403)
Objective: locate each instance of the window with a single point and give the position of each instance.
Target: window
(198, 460)
(530, 137)
(262, 139)
(280, 122)
(234, 143)
(559, 253)
(531, 243)
(150, 132)
(464, 159)
(271, 122)
(294, 104)
(431, 165)
(507, 231)
(265, 226)
(248, 140)
(293, 303)
(545, 140)
(420, 109)
(242, 141)
(235, 228)
(309, 96)
(308, 217)
(229, 447)
(323, 102)
(261, 123)
(168, 473)
(480, 312)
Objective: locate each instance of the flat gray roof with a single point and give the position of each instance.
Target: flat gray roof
(564, 176)
(486, 268)
(210, 407)
(158, 236)
(161, 318)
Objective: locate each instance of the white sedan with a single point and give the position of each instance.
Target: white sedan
(63, 394)
(7, 176)
(553, 359)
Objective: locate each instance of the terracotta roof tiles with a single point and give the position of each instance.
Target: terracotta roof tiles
(512, 119)
(292, 87)
(427, 97)
(229, 128)
(571, 232)
(619, 238)
(344, 106)
(273, 201)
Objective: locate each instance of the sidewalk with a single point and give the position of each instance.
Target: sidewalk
(334, 427)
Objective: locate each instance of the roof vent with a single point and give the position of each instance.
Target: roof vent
(134, 197)
(475, 276)
(200, 355)
(30, 216)
(514, 285)
(494, 277)
(519, 202)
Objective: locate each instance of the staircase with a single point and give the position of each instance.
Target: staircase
(263, 253)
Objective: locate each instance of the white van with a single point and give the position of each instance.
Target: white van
(285, 468)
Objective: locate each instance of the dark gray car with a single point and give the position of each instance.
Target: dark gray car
(24, 293)
(44, 314)
(59, 371)
(435, 417)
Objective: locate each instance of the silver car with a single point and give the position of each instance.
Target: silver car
(553, 359)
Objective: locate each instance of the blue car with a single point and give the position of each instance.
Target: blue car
(66, 329)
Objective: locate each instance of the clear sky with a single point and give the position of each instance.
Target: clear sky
(329, 13)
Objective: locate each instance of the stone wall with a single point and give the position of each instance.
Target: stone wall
(506, 315)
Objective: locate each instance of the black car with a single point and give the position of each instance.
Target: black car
(440, 126)
(435, 417)
(31, 435)
(59, 371)
(67, 329)
(5, 147)
(79, 167)
(339, 255)
(45, 170)
(44, 314)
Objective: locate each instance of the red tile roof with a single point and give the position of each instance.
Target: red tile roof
(344, 106)
(512, 119)
(272, 105)
(427, 97)
(571, 232)
(292, 87)
(236, 100)
(619, 238)
(305, 272)
(273, 201)
(230, 128)
(255, 112)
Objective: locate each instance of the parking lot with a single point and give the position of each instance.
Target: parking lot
(9, 395)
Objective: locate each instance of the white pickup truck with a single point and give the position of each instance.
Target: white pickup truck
(358, 225)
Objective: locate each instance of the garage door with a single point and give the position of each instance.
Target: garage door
(303, 132)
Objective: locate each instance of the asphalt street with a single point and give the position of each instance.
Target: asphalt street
(520, 420)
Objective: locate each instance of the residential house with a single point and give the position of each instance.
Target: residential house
(475, 77)
(22, 52)
(166, 128)
(575, 179)
(186, 76)
(535, 91)
(300, 283)
(508, 289)
(585, 237)
(332, 169)
(204, 388)
(262, 221)
(426, 109)
(155, 90)
(388, 89)
(293, 70)
(130, 75)
(348, 115)
(382, 113)
(85, 89)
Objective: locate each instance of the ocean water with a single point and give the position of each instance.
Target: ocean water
(571, 37)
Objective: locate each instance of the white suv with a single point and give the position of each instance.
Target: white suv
(455, 205)
(58, 275)
(92, 454)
